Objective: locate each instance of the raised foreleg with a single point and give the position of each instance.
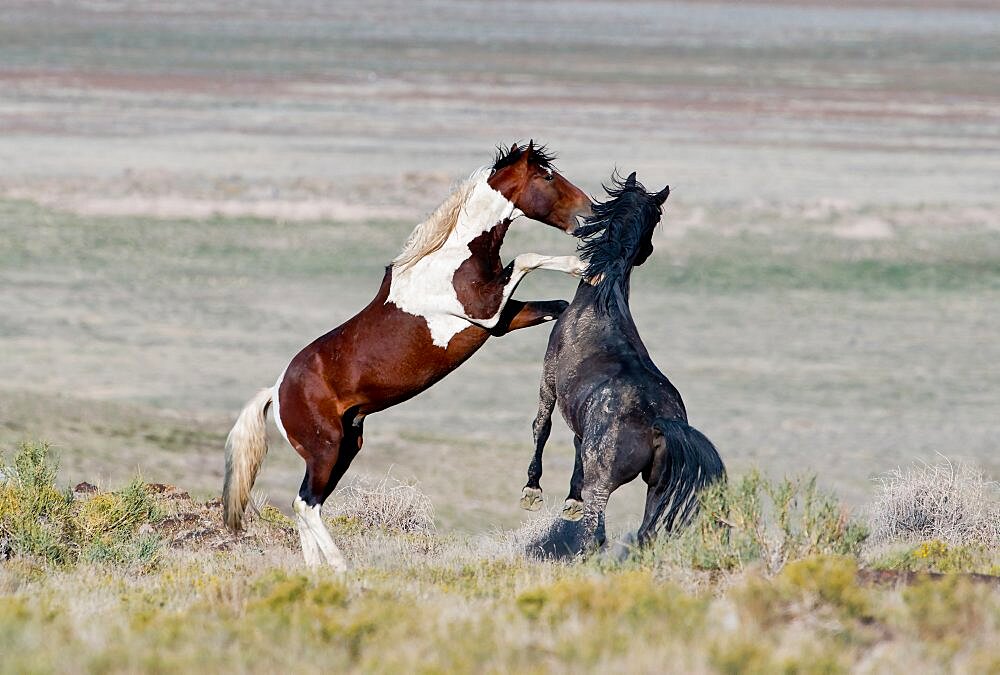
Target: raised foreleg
(517, 314)
(531, 496)
(516, 271)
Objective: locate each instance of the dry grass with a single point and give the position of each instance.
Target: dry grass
(951, 502)
(385, 503)
(416, 600)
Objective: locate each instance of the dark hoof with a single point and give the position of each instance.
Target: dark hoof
(531, 499)
(572, 510)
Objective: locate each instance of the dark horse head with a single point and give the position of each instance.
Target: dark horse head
(618, 235)
(527, 177)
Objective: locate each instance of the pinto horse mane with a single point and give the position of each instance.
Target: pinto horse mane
(540, 156)
(430, 235)
(613, 234)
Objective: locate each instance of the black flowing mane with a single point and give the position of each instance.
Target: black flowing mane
(613, 235)
(540, 155)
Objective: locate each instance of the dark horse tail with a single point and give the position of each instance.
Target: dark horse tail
(689, 463)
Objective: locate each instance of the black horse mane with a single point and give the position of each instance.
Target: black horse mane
(613, 234)
(540, 155)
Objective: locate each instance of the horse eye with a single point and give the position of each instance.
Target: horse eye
(549, 176)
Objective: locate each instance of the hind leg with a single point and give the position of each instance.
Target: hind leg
(324, 469)
(608, 457)
(573, 507)
(317, 544)
(658, 477)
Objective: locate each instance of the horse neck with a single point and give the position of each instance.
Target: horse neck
(482, 211)
(619, 288)
(618, 317)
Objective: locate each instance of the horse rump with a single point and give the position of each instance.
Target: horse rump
(689, 463)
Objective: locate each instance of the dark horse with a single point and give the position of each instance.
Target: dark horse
(440, 300)
(627, 418)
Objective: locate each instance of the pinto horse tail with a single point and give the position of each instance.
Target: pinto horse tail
(690, 463)
(246, 446)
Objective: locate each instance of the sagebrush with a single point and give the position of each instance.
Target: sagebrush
(39, 521)
(752, 519)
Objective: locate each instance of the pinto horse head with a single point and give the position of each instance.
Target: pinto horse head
(525, 175)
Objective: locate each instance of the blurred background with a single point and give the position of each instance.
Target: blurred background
(189, 195)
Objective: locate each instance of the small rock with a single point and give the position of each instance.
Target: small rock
(85, 488)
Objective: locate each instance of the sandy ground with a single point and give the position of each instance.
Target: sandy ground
(189, 196)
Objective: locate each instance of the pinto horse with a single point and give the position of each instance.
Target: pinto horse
(441, 298)
(628, 419)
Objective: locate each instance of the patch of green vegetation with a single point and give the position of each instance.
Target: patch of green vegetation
(430, 603)
(753, 519)
(38, 521)
(739, 655)
(273, 516)
(937, 556)
(631, 595)
(944, 611)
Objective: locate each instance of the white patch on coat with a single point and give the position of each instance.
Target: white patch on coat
(277, 406)
(426, 287)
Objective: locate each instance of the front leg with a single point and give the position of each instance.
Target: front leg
(531, 495)
(516, 314)
(518, 269)
(570, 264)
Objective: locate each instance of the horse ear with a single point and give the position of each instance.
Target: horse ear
(630, 181)
(531, 146)
(525, 156)
(513, 148)
(662, 195)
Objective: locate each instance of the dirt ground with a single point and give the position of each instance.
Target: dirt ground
(188, 196)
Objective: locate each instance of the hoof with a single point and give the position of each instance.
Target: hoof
(572, 510)
(531, 499)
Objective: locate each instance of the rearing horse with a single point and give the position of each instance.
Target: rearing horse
(627, 418)
(442, 297)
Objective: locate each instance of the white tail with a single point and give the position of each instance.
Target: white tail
(246, 446)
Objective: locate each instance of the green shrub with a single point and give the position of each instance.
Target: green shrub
(937, 556)
(752, 519)
(35, 518)
(632, 595)
(39, 521)
(945, 611)
(829, 579)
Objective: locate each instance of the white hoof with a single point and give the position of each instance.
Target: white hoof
(317, 544)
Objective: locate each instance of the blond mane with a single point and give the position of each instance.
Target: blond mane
(430, 235)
